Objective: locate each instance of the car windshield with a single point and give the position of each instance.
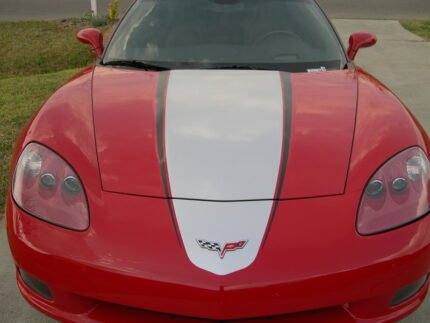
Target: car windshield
(289, 35)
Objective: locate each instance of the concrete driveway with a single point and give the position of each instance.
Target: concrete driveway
(400, 59)
(377, 9)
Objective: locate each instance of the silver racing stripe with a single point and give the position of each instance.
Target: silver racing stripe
(223, 134)
(224, 141)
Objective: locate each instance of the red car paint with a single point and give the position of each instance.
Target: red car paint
(312, 259)
(322, 131)
(93, 37)
(316, 119)
(131, 90)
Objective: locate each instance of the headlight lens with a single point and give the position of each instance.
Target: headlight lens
(45, 186)
(397, 194)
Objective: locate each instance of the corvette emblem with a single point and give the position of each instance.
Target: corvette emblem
(221, 249)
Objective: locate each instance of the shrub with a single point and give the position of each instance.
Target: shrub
(113, 10)
(98, 21)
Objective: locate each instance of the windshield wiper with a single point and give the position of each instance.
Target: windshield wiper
(135, 64)
(239, 67)
(151, 67)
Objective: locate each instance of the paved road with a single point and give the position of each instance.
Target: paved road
(368, 9)
(51, 9)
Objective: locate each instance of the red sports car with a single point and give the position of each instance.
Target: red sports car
(222, 160)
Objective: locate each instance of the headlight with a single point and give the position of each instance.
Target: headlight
(397, 194)
(46, 187)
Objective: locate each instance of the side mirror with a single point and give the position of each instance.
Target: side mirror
(93, 37)
(360, 40)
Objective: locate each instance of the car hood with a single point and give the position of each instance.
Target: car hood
(224, 135)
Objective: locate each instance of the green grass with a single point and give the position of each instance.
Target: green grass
(420, 28)
(20, 97)
(36, 57)
(35, 47)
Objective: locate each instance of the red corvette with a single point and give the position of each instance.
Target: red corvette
(222, 160)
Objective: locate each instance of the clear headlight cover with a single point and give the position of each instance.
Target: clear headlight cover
(46, 187)
(397, 194)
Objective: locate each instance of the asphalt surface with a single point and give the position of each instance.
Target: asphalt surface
(352, 9)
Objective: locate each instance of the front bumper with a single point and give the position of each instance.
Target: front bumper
(313, 264)
(73, 308)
